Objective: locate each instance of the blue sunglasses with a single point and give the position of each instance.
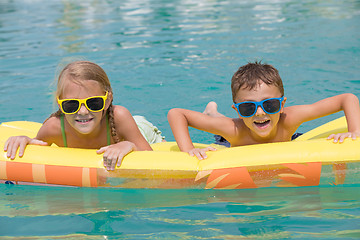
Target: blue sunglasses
(249, 108)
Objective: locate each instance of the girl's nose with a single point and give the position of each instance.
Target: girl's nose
(83, 110)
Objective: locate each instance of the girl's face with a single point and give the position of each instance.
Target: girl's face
(84, 121)
(263, 126)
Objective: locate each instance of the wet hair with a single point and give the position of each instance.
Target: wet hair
(252, 75)
(80, 71)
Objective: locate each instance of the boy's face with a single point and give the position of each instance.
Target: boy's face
(262, 126)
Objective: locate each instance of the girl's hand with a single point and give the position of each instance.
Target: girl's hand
(115, 153)
(200, 153)
(339, 137)
(19, 142)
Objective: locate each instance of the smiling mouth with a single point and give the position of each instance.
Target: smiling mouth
(262, 124)
(83, 121)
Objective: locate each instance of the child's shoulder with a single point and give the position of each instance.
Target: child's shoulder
(120, 112)
(230, 128)
(293, 116)
(51, 128)
(53, 122)
(121, 116)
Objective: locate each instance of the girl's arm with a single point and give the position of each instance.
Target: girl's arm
(127, 129)
(20, 142)
(15, 143)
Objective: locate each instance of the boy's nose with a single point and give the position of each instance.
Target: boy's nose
(259, 111)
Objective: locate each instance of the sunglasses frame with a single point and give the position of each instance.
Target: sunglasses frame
(82, 101)
(257, 104)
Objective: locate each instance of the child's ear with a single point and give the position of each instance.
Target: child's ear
(58, 105)
(109, 100)
(233, 106)
(283, 104)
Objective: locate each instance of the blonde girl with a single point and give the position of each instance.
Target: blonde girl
(86, 118)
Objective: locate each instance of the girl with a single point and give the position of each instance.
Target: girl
(86, 118)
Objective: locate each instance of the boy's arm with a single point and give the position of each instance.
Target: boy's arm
(352, 112)
(178, 121)
(181, 119)
(347, 102)
(350, 105)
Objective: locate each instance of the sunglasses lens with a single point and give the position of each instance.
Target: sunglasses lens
(247, 109)
(70, 106)
(271, 105)
(95, 104)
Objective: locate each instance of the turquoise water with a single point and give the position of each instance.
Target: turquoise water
(302, 213)
(162, 54)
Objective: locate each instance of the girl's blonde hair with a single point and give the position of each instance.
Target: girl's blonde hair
(80, 71)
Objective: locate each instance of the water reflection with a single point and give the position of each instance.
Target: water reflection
(37, 201)
(257, 213)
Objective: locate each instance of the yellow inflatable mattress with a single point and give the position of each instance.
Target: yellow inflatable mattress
(310, 160)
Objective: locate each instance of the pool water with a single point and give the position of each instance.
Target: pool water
(162, 54)
(268, 213)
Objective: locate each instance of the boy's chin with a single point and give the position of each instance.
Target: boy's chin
(263, 133)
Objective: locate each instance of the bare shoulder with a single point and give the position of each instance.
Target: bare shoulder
(50, 131)
(289, 112)
(293, 116)
(123, 119)
(223, 123)
(228, 122)
(121, 112)
(229, 127)
(127, 129)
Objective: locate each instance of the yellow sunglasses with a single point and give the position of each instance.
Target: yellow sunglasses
(72, 106)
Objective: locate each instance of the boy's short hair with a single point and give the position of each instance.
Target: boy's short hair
(252, 75)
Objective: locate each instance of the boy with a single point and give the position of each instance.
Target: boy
(258, 97)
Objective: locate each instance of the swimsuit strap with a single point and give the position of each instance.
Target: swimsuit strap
(63, 130)
(108, 130)
(64, 135)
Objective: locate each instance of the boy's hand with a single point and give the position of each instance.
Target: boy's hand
(115, 153)
(200, 153)
(19, 142)
(339, 137)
